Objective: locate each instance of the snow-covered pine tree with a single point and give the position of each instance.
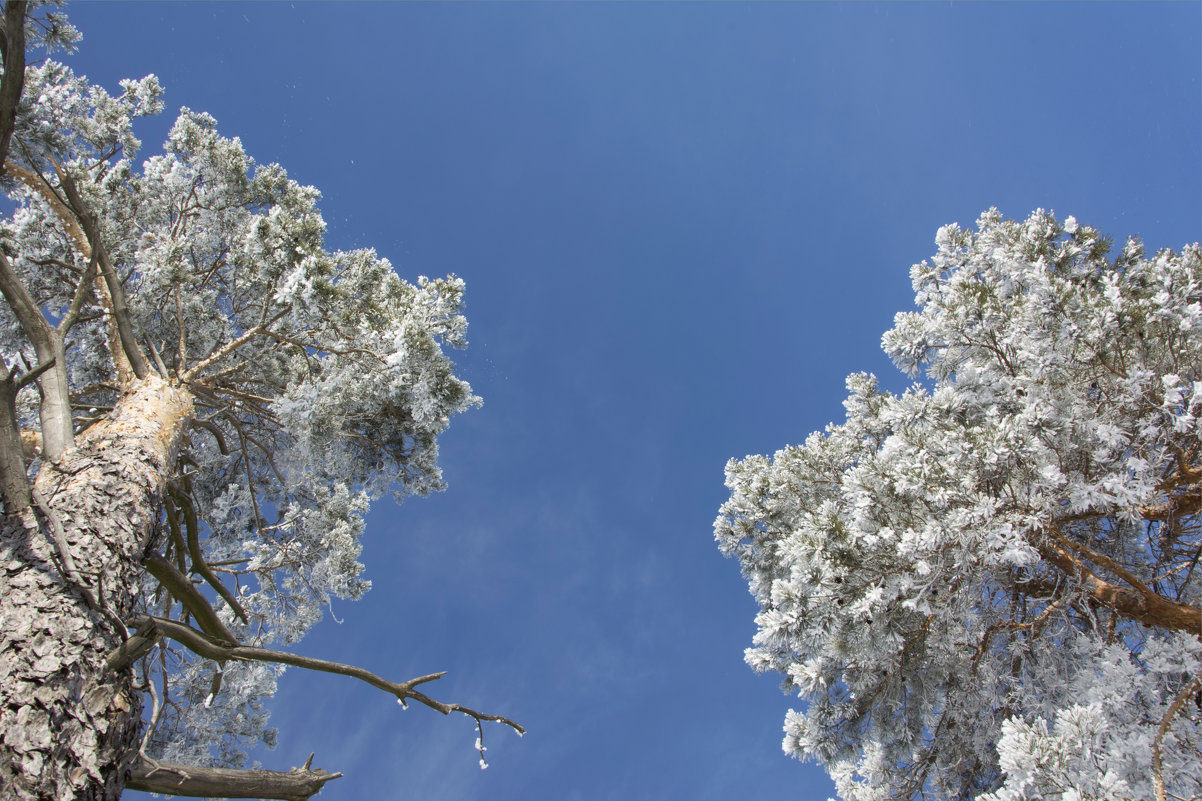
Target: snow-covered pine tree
(988, 586)
(197, 402)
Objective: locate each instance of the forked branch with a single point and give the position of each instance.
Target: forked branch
(210, 647)
(1137, 603)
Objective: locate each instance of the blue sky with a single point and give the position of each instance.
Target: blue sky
(681, 226)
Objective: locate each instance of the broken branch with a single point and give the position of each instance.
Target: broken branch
(298, 784)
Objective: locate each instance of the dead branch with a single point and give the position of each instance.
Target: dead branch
(298, 784)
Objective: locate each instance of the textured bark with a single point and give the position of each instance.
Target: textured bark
(69, 726)
(297, 784)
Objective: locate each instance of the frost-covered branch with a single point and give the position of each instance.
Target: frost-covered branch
(1045, 469)
(1191, 689)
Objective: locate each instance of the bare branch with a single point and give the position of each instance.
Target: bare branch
(206, 646)
(32, 375)
(199, 566)
(298, 784)
(118, 306)
(215, 430)
(183, 591)
(133, 648)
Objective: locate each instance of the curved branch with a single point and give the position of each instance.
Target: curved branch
(208, 647)
(182, 590)
(118, 306)
(1143, 605)
(1175, 707)
(215, 430)
(199, 565)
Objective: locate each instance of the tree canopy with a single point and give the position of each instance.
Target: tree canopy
(987, 586)
(199, 404)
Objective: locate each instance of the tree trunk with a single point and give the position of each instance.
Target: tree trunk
(69, 727)
(14, 488)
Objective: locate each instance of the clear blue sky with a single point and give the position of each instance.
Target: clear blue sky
(681, 225)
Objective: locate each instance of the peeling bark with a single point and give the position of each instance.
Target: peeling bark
(69, 726)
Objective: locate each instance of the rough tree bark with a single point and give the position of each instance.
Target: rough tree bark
(70, 726)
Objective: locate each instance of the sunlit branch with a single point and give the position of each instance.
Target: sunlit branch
(158, 359)
(70, 317)
(220, 353)
(1143, 605)
(182, 344)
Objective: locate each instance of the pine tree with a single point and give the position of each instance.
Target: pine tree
(988, 585)
(197, 403)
